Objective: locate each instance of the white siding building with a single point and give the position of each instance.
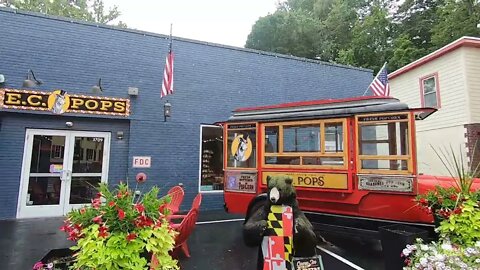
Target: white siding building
(449, 80)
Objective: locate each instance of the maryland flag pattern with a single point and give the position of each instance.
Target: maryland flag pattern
(277, 243)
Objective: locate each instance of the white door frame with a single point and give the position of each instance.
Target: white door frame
(24, 211)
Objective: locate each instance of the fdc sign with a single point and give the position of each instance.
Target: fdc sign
(142, 162)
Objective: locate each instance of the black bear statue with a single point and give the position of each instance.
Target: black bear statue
(280, 192)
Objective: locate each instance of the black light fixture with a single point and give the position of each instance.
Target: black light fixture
(31, 80)
(119, 135)
(97, 89)
(167, 110)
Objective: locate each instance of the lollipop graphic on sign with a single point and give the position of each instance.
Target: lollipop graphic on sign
(241, 147)
(58, 101)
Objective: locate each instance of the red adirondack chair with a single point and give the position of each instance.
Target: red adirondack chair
(184, 229)
(197, 201)
(176, 193)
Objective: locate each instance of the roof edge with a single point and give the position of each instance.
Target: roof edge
(145, 33)
(463, 41)
(312, 103)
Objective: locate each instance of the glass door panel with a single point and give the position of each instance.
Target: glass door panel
(83, 189)
(89, 158)
(42, 186)
(44, 191)
(88, 155)
(47, 154)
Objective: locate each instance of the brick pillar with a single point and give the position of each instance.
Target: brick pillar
(472, 137)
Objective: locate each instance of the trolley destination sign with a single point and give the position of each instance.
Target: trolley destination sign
(59, 102)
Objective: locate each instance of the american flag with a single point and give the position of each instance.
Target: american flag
(167, 85)
(380, 85)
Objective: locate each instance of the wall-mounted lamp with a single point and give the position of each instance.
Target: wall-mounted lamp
(119, 135)
(167, 110)
(97, 89)
(31, 80)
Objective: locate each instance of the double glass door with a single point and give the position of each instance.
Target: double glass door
(61, 171)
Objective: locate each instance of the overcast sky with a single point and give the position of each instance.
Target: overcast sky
(220, 21)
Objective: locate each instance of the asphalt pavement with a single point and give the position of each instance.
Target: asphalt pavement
(216, 243)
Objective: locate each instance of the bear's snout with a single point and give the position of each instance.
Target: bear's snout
(274, 195)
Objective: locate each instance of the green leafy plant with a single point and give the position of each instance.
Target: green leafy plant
(463, 229)
(120, 231)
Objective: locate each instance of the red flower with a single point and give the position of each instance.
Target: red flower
(77, 227)
(457, 211)
(120, 195)
(141, 178)
(102, 232)
(66, 227)
(140, 208)
(83, 210)
(453, 197)
(163, 209)
(97, 219)
(96, 203)
(121, 214)
(131, 236)
(143, 221)
(111, 204)
(423, 201)
(99, 194)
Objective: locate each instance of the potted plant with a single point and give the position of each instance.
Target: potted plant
(120, 231)
(458, 247)
(456, 211)
(444, 201)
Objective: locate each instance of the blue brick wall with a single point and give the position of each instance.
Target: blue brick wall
(210, 81)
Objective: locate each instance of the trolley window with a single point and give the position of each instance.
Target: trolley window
(241, 146)
(305, 144)
(384, 143)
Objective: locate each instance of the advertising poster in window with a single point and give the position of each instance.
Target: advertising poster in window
(241, 182)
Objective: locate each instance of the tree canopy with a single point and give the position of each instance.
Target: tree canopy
(86, 10)
(364, 33)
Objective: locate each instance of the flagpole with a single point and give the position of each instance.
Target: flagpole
(364, 93)
(170, 48)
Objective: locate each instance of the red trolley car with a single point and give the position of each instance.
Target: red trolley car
(352, 160)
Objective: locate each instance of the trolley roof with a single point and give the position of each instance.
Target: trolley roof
(328, 108)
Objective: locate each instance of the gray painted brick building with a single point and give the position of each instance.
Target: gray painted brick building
(210, 81)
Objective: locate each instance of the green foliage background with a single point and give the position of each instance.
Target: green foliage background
(85, 10)
(364, 33)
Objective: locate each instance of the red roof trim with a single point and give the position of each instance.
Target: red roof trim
(464, 41)
(308, 103)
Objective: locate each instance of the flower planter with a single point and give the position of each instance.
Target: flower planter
(394, 239)
(61, 259)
